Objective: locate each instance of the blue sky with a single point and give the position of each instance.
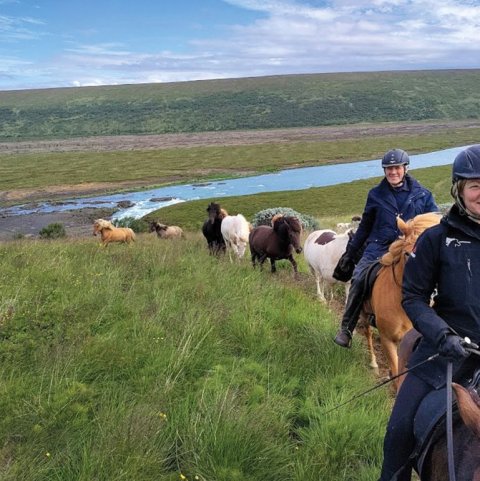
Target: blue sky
(64, 43)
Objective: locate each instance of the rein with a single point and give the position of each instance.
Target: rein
(390, 379)
(449, 425)
(473, 350)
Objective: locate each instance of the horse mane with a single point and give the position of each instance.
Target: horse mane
(411, 231)
(291, 221)
(275, 218)
(104, 224)
(223, 213)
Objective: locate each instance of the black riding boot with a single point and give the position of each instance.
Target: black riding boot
(353, 308)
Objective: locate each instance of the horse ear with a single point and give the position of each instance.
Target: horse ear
(403, 226)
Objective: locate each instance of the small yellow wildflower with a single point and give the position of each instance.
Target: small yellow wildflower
(183, 477)
(47, 454)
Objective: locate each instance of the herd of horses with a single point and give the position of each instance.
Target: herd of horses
(322, 250)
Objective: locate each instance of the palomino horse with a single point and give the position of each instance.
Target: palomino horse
(212, 228)
(110, 233)
(432, 459)
(385, 302)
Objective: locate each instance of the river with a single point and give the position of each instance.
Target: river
(146, 201)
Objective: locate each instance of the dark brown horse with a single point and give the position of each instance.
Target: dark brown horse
(212, 228)
(277, 242)
(466, 430)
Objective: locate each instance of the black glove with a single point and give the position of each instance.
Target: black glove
(344, 269)
(451, 346)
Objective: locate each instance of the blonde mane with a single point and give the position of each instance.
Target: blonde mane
(103, 224)
(411, 231)
(223, 213)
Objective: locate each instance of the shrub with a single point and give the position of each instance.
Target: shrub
(264, 217)
(53, 231)
(137, 225)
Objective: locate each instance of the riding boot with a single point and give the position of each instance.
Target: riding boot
(353, 308)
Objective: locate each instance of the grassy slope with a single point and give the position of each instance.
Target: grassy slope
(238, 104)
(156, 361)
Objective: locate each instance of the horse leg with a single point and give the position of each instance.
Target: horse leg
(294, 264)
(390, 350)
(364, 327)
(272, 263)
(320, 291)
(347, 290)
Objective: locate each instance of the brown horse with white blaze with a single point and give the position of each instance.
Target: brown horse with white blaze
(277, 242)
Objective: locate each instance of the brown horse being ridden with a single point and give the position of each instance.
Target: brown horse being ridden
(386, 295)
(465, 429)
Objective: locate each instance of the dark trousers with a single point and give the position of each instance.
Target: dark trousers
(399, 439)
(354, 303)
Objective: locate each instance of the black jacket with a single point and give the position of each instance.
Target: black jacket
(446, 257)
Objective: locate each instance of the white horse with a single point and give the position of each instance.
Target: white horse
(235, 231)
(322, 251)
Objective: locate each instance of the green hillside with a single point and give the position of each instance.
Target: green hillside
(240, 104)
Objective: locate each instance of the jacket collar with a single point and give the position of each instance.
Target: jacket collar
(461, 222)
(387, 190)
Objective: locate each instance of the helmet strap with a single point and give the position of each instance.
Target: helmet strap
(454, 191)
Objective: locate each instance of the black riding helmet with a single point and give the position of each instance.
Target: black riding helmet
(395, 157)
(465, 166)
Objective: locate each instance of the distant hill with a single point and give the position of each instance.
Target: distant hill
(240, 104)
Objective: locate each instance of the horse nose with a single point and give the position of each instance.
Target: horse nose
(298, 250)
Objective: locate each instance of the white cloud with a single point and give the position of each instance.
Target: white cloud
(289, 36)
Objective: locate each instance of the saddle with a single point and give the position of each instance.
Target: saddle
(430, 419)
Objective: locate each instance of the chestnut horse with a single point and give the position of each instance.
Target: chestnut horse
(277, 242)
(465, 430)
(385, 302)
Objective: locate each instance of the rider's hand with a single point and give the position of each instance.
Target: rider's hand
(451, 347)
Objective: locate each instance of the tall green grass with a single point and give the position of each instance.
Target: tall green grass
(158, 362)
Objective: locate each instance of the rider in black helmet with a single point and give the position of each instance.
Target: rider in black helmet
(398, 194)
(445, 262)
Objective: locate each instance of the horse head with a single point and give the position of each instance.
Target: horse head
(411, 230)
(101, 224)
(290, 229)
(213, 210)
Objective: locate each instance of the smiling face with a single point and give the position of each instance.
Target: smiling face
(395, 174)
(471, 196)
